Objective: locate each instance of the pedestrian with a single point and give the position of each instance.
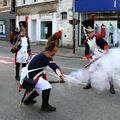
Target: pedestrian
(11, 37)
(37, 65)
(95, 47)
(22, 45)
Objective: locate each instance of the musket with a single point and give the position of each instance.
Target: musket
(24, 96)
(88, 64)
(56, 81)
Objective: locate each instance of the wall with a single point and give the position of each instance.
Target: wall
(41, 10)
(65, 6)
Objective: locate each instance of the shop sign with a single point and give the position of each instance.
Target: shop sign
(74, 21)
(96, 5)
(47, 16)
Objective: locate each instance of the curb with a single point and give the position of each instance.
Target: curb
(62, 52)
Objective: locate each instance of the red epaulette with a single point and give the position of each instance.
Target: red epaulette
(98, 36)
(59, 34)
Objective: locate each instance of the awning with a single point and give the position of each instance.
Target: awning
(96, 5)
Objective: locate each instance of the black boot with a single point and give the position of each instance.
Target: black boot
(112, 90)
(17, 71)
(17, 78)
(88, 86)
(45, 101)
(29, 99)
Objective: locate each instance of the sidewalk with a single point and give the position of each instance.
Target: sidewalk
(62, 51)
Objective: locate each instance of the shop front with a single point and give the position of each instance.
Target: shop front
(48, 25)
(40, 26)
(106, 18)
(7, 25)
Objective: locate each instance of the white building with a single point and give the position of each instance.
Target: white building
(45, 17)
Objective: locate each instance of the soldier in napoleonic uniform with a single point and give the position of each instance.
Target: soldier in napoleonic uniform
(37, 65)
(22, 44)
(95, 47)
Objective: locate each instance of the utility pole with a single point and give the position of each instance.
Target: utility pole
(73, 10)
(74, 22)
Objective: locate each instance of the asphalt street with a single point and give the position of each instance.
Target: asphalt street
(71, 101)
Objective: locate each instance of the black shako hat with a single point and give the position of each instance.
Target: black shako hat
(87, 23)
(22, 23)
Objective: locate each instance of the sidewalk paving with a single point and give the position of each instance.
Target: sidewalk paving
(62, 51)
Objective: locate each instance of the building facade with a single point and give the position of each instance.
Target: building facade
(7, 18)
(45, 17)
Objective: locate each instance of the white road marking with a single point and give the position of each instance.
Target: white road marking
(9, 58)
(5, 62)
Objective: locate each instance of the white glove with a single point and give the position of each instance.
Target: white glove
(91, 60)
(105, 51)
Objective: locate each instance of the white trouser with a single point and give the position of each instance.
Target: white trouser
(22, 57)
(41, 85)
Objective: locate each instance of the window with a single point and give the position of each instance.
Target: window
(64, 15)
(35, 0)
(4, 2)
(24, 1)
(2, 28)
(46, 29)
(0, 2)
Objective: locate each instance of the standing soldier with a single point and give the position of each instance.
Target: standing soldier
(95, 47)
(22, 45)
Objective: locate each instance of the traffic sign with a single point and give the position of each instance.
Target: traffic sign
(74, 21)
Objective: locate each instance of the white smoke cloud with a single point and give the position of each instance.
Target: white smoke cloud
(107, 68)
(77, 77)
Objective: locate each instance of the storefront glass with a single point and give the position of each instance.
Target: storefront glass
(2, 29)
(46, 29)
(105, 24)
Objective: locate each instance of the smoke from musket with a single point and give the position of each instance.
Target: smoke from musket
(107, 68)
(77, 77)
